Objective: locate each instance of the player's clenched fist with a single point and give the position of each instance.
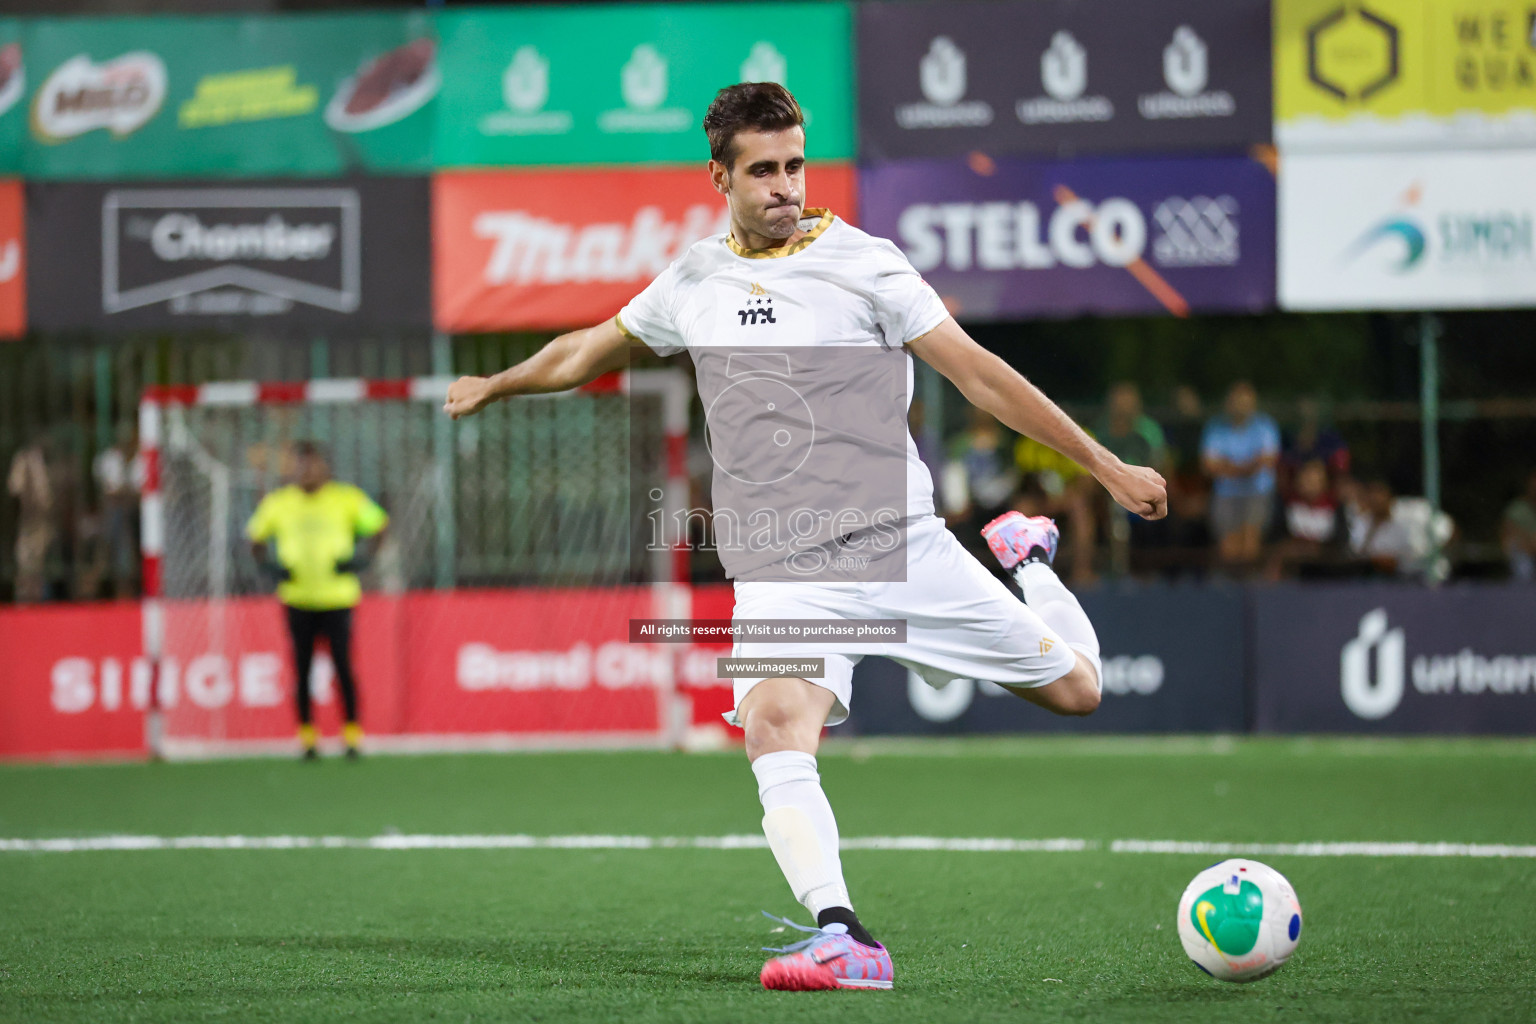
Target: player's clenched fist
(467, 396)
(1138, 489)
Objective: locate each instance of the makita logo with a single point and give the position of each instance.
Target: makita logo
(80, 96)
(184, 236)
(533, 250)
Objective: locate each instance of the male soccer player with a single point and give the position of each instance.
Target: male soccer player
(834, 291)
(318, 526)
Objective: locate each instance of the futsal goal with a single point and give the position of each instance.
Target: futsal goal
(498, 602)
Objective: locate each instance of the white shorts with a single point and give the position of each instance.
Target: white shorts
(962, 623)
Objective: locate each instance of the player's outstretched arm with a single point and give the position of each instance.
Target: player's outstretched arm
(990, 383)
(569, 361)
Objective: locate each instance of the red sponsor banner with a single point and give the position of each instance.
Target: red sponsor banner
(519, 663)
(72, 680)
(13, 260)
(538, 249)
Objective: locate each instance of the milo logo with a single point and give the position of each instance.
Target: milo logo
(1228, 915)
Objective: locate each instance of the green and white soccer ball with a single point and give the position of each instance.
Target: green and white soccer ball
(1239, 920)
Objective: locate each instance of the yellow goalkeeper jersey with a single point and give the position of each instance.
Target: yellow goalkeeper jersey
(313, 532)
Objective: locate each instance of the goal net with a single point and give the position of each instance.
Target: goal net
(496, 607)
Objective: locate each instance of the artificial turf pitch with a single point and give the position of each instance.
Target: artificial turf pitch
(673, 934)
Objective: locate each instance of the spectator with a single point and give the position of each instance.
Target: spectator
(1313, 520)
(978, 478)
(1518, 532)
(1314, 441)
(31, 484)
(1183, 433)
(1239, 451)
(1376, 536)
(1072, 496)
(1134, 438)
(119, 473)
(1128, 432)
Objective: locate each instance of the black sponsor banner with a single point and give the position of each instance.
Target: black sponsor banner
(335, 256)
(1395, 659)
(1062, 78)
(1173, 662)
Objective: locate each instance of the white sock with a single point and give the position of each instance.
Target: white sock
(1049, 598)
(801, 831)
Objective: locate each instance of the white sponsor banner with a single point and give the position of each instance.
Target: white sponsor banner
(1407, 231)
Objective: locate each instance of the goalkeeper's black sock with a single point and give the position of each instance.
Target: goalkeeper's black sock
(846, 917)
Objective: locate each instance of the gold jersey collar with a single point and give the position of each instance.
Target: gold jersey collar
(822, 224)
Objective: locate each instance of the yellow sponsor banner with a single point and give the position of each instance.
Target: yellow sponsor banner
(1353, 75)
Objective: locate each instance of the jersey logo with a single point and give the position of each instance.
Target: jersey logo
(1045, 646)
(758, 308)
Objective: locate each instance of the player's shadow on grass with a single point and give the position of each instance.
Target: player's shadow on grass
(692, 965)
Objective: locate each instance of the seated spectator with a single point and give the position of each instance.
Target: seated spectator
(1378, 537)
(1518, 533)
(1239, 451)
(1074, 497)
(1313, 521)
(1072, 508)
(978, 476)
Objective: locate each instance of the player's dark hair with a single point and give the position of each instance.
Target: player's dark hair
(748, 106)
(307, 450)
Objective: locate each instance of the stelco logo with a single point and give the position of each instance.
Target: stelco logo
(1374, 670)
(1352, 53)
(80, 96)
(1020, 236)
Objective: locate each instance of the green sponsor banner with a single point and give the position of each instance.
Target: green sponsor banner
(13, 89)
(630, 84)
(289, 95)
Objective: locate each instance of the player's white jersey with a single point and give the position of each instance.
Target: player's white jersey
(837, 286)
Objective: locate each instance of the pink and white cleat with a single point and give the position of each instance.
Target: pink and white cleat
(830, 958)
(1012, 537)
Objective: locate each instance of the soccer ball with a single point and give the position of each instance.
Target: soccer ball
(1239, 920)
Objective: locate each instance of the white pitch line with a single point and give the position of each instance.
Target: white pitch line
(754, 842)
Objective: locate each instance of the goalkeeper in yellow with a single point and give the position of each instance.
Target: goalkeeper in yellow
(313, 537)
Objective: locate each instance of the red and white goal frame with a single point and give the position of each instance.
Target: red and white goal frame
(670, 568)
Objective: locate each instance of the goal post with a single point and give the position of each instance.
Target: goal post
(496, 607)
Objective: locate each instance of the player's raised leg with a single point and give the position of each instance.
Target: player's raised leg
(1026, 547)
(783, 720)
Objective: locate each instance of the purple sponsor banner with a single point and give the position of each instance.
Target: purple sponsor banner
(1009, 238)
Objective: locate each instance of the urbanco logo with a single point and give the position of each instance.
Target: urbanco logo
(525, 88)
(1186, 72)
(765, 63)
(644, 83)
(941, 72)
(1185, 64)
(941, 76)
(1064, 67)
(525, 84)
(1374, 694)
(1064, 77)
